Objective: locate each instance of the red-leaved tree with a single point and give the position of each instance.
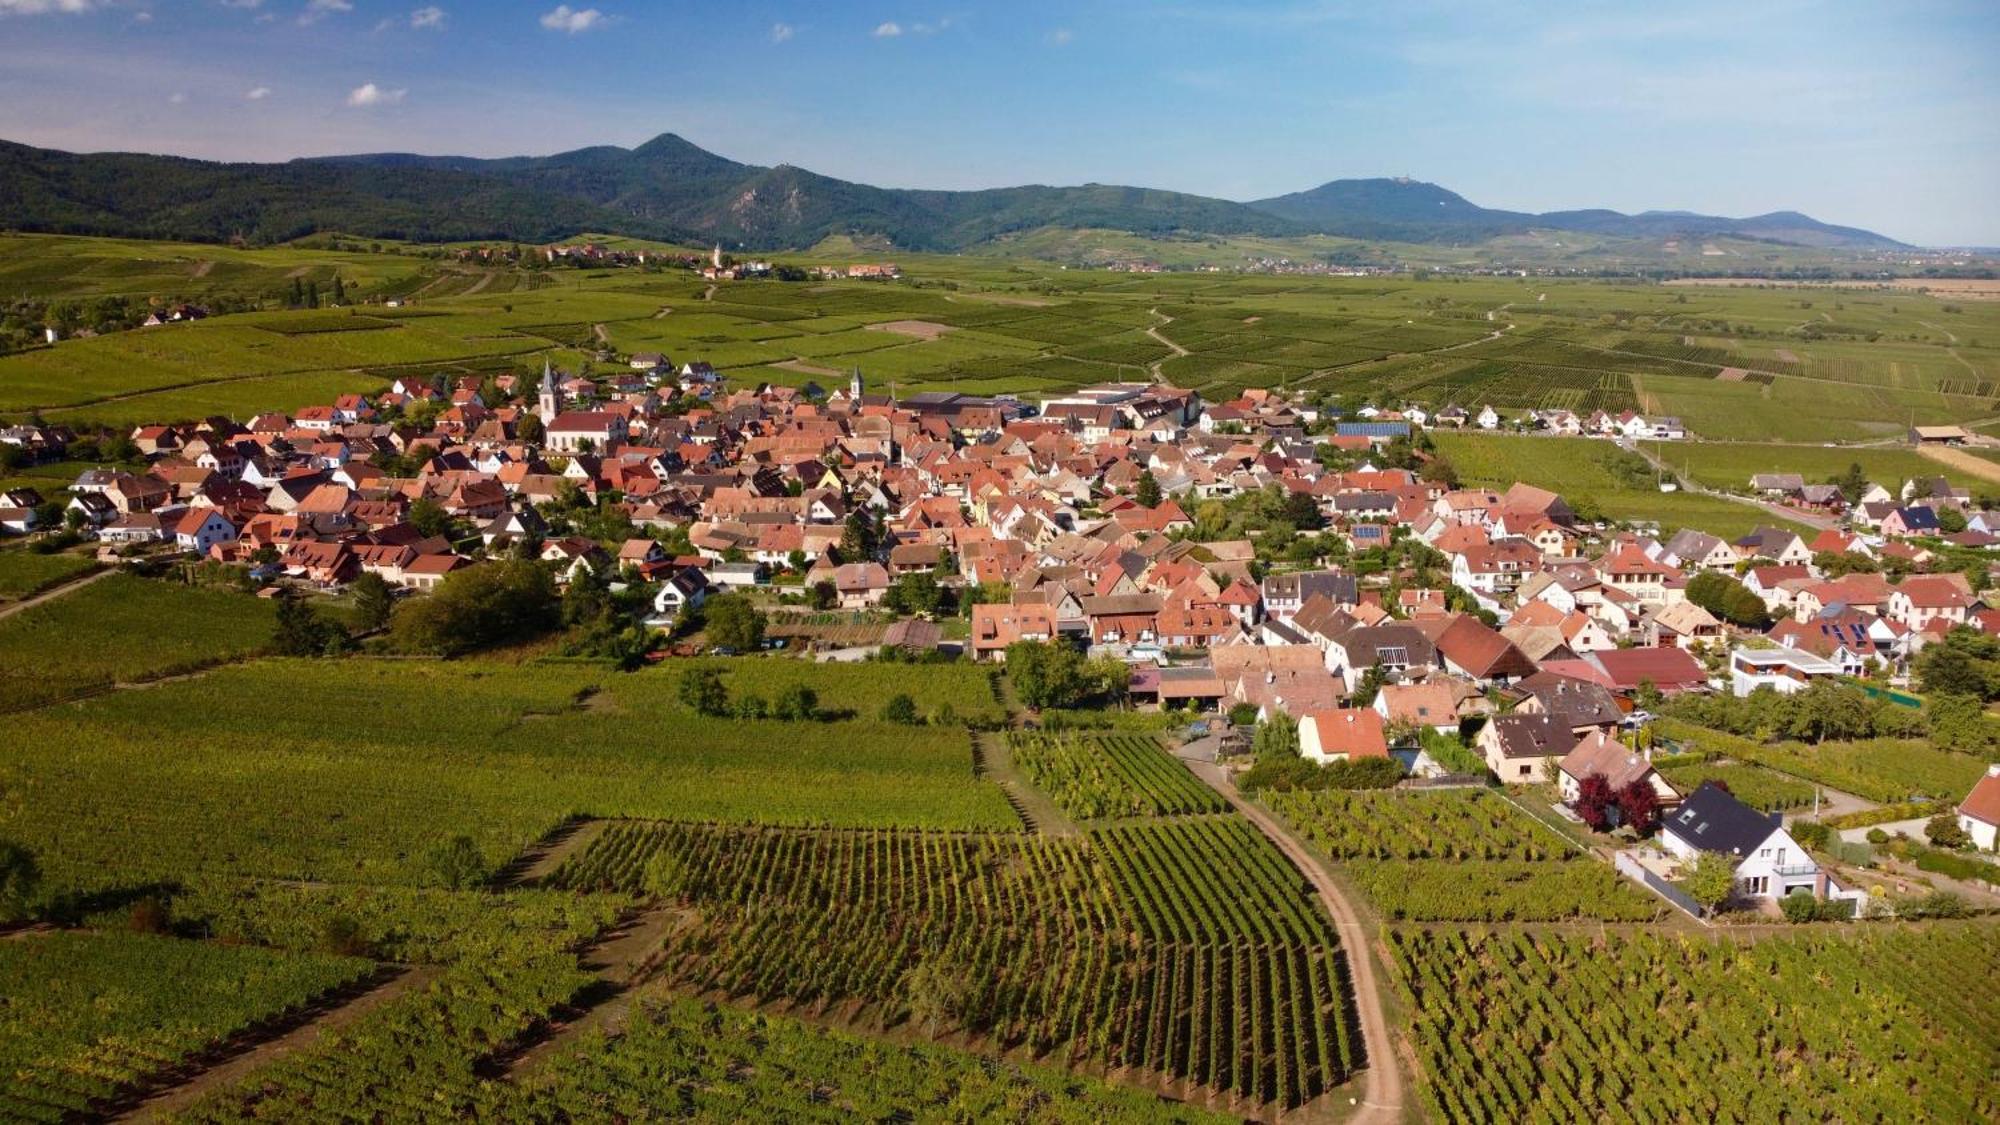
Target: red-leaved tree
(1639, 806)
(1594, 799)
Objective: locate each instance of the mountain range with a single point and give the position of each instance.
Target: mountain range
(673, 190)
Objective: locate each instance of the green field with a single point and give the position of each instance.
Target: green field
(1818, 365)
(120, 629)
(1730, 465)
(1887, 770)
(392, 756)
(1581, 470)
(85, 1017)
(23, 573)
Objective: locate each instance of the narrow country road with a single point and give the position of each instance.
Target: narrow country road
(57, 592)
(1383, 1087)
(1153, 368)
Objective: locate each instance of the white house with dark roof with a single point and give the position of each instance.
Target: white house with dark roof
(1769, 863)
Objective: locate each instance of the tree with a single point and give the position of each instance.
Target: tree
(1440, 470)
(20, 879)
(858, 536)
(1594, 802)
(1964, 662)
(701, 690)
(1370, 685)
(1943, 831)
(479, 606)
(1148, 492)
(1276, 737)
(373, 601)
(1302, 511)
(1853, 483)
(530, 430)
(798, 703)
(456, 863)
(1951, 521)
(900, 709)
(303, 632)
(732, 622)
(429, 518)
(824, 595)
(1711, 880)
(916, 592)
(1639, 806)
(1046, 673)
(1728, 599)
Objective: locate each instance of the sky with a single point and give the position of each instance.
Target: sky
(1885, 116)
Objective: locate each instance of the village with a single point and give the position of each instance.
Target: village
(1469, 635)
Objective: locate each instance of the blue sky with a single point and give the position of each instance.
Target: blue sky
(1878, 115)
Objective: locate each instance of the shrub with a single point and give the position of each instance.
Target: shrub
(1943, 831)
(900, 709)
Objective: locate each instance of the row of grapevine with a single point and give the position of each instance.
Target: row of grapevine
(1426, 890)
(1188, 947)
(1880, 1025)
(1391, 824)
(1093, 775)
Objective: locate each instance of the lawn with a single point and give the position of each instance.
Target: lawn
(1730, 465)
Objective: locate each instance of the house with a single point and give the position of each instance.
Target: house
(1929, 602)
(686, 589)
(1524, 749)
(1682, 625)
(425, 571)
(1769, 863)
(202, 528)
(1786, 671)
(1979, 813)
(994, 627)
(1671, 671)
(1603, 755)
(1342, 735)
(1434, 705)
(1911, 522)
(1580, 705)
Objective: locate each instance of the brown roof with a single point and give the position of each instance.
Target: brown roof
(1532, 736)
(1600, 753)
(1353, 731)
(1983, 803)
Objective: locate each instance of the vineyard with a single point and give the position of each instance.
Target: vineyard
(1501, 891)
(1458, 824)
(87, 1017)
(1877, 1025)
(1887, 770)
(25, 573)
(718, 1063)
(1755, 786)
(1097, 775)
(1124, 949)
(342, 791)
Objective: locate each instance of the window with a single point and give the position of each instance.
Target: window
(1763, 853)
(1525, 770)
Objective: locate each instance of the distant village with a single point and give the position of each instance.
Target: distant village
(1104, 517)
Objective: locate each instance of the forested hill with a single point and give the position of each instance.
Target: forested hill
(671, 189)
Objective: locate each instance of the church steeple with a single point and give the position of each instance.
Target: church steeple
(550, 403)
(715, 258)
(854, 385)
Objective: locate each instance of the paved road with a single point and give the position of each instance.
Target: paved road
(1383, 1087)
(59, 591)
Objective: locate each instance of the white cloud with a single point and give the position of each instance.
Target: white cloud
(37, 7)
(429, 16)
(317, 10)
(177, 98)
(888, 29)
(573, 20)
(1060, 37)
(369, 94)
(258, 94)
(781, 32)
(242, 3)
